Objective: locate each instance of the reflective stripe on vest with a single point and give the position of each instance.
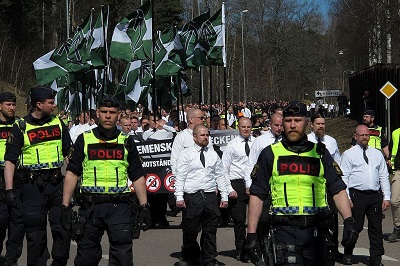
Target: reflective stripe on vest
(375, 137)
(105, 166)
(298, 185)
(43, 146)
(4, 132)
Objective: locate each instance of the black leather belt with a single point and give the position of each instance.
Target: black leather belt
(366, 192)
(97, 199)
(301, 220)
(237, 180)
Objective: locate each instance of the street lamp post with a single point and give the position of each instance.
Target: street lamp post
(244, 68)
(344, 72)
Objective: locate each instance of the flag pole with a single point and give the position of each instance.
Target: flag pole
(224, 61)
(211, 89)
(105, 75)
(67, 15)
(153, 66)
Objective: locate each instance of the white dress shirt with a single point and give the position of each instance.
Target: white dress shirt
(330, 144)
(359, 175)
(259, 144)
(246, 112)
(234, 158)
(231, 119)
(183, 140)
(191, 176)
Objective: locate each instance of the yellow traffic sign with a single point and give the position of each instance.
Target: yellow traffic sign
(388, 90)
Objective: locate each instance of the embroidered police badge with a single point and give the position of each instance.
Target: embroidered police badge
(255, 171)
(337, 169)
(10, 138)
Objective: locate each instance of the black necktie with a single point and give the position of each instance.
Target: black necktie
(276, 139)
(365, 154)
(202, 159)
(247, 147)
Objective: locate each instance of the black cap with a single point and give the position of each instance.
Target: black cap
(7, 97)
(295, 108)
(42, 93)
(369, 112)
(109, 101)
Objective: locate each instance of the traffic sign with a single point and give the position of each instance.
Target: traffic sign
(328, 93)
(388, 90)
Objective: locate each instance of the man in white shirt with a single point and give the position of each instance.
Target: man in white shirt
(246, 111)
(161, 131)
(231, 117)
(235, 156)
(365, 174)
(270, 137)
(76, 130)
(260, 143)
(185, 138)
(318, 134)
(198, 173)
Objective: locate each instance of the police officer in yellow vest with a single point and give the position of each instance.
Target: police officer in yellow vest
(296, 174)
(36, 148)
(10, 216)
(105, 158)
(378, 139)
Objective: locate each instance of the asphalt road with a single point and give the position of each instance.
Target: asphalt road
(162, 246)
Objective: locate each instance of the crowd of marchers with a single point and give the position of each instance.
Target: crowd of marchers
(274, 182)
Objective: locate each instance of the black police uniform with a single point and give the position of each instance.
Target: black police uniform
(311, 239)
(41, 195)
(112, 215)
(10, 216)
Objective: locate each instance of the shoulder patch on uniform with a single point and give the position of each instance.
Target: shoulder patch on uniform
(10, 138)
(337, 169)
(255, 171)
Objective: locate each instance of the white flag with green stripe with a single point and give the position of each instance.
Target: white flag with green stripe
(132, 37)
(98, 53)
(46, 70)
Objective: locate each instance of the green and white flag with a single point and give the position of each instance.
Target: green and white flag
(46, 70)
(132, 37)
(189, 37)
(211, 41)
(135, 79)
(97, 41)
(167, 53)
(74, 54)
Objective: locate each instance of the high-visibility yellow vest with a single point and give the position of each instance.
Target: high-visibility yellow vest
(42, 145)
(105, 166)
(375, 137)
(4, 132)
(298, 185)
(395, 139)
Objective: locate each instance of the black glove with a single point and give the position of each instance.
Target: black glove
(144, 217)
(12, 199)
(253, 250)
(350, 234)
(66, 217)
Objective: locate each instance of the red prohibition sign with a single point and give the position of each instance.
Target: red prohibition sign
(153, 183)
(169, 182)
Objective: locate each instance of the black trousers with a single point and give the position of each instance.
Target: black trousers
(310, 242)
(368, 204)
(201, 213)
(11, 218)
(40, 198)
(116, 220)
(237, 208)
